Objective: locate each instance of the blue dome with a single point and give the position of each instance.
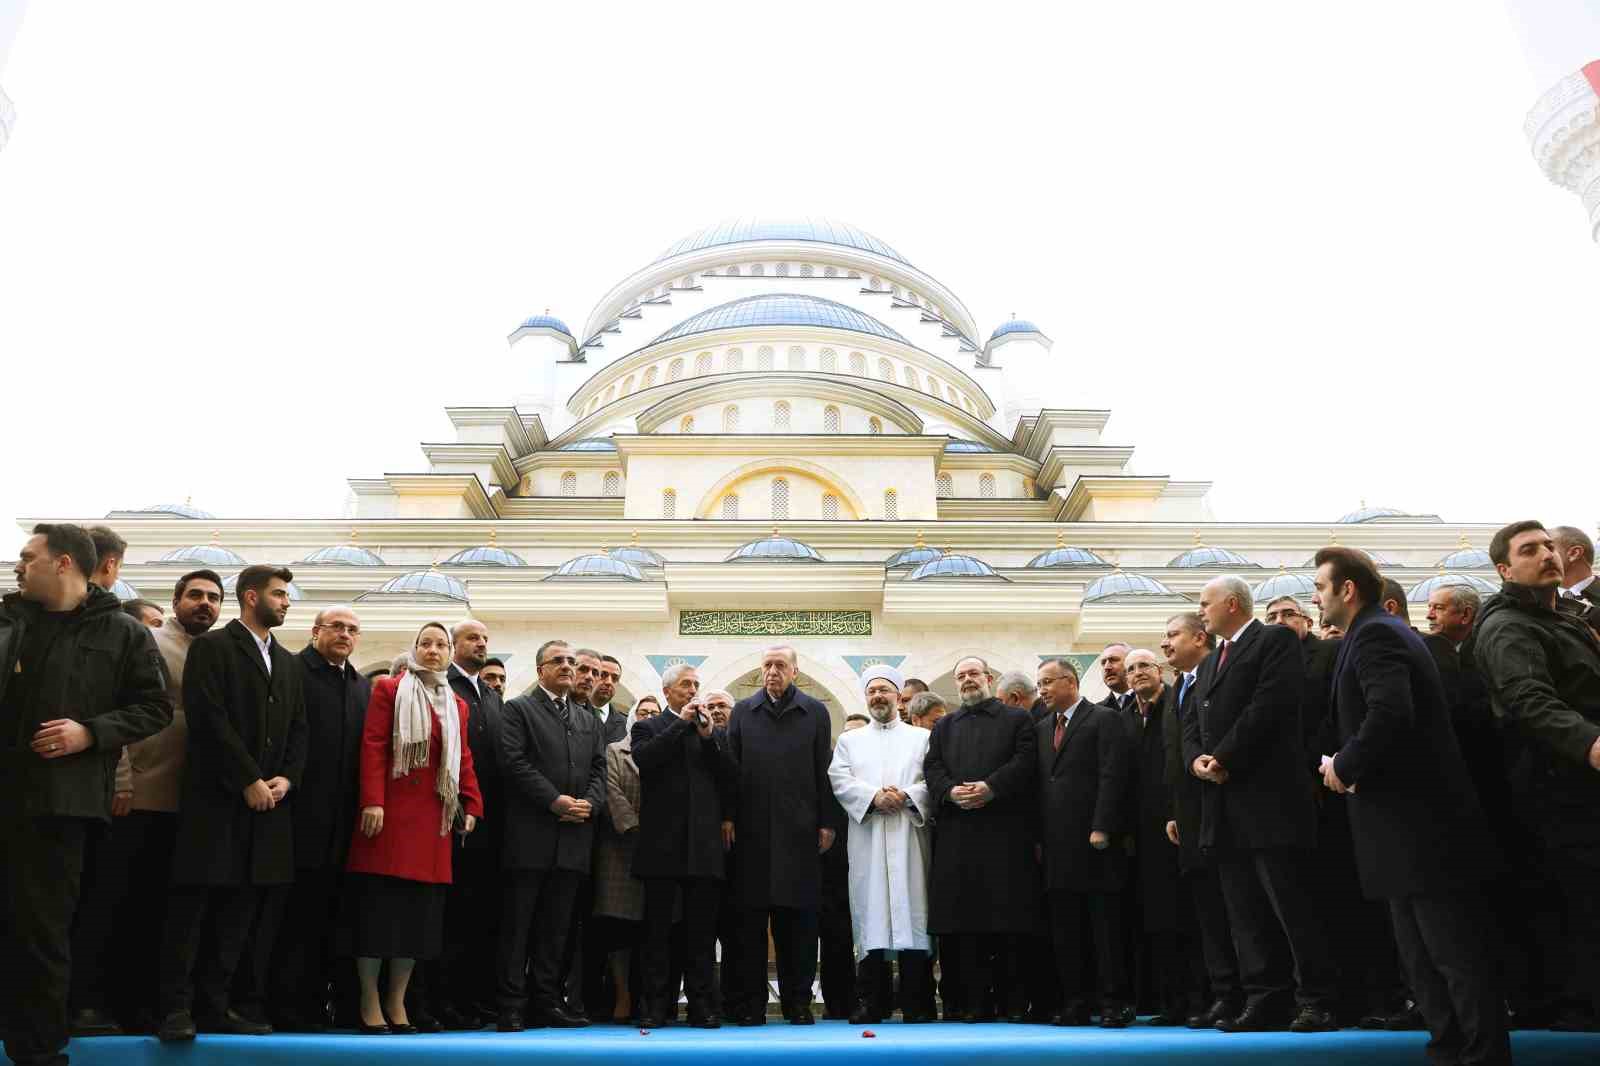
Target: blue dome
(1467, 559)
(1202, 555)
(1119, 584)
(820, 230)
(597, 565)
(1379, 514)
(953, 566)
(912, 556)
(487, 555)
(589, 444)
(1296, 585)
(1065, 556)
(1379, 559)
(342, 555)
(204, 554)
(775, 549)
(1016, 325)
(1423, 589)
(231, 582)
(546, 322)
(781, 309)
(421, 582)
(960, 445)
(124, 591)
(176, 510)
(637, 556)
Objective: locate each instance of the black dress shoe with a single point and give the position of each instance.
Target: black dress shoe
(1403, 1020)
(651, 1021)
(561, 1018)
(451, 1018)
(509, 1021)
(1166, 1019)
(704, 1021)
(753, 1019)
(423, 1022)
(1116, 1016)
(1071, 1014)
(916, 1018)
(1258, 1018)
(363, 1029)
(404, 1028)
(236, 1024)
(1208, 1018)
(802, 1016)
(864, 1015)
(88, 1021)
(1314, 1020)
(177, 1025)
(1372, 1021)
(1017, 1017)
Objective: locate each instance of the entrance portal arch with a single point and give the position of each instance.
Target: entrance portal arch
(741, 677)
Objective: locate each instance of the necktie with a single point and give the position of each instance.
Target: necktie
(561, 712)
(1183, 690)
(1061, 730)
(1222, 659)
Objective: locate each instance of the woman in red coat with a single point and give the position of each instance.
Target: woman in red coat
(417, 785)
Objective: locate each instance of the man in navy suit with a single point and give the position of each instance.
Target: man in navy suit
(1258, 815)
(1421, 840)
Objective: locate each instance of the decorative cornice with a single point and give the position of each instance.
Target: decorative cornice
(1016, 464)
(563, 508)
(789, 585)
(760, 445)
(1033, 432)
(520, 437)
(717, 388)
(1058, 458)
(1085, 490)
(465, 487)
(494, 455)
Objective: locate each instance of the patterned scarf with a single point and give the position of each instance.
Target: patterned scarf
(423, 697)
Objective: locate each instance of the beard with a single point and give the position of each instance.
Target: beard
(974, 695)
(266, 616)
(883, 710)
(195, 624)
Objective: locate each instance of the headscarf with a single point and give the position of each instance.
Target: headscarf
(883, 670)
(633, 715)
(422, 697)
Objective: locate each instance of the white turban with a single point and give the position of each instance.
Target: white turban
(883, 670)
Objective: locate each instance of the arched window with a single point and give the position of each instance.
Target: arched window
(780, 416)
(797, 358)
(669, 504)
(829, 272)
(875, 425)
(732, 272)
(891, 505)
(780, 497)
(733, 362)
(675, 369)
(594, 403)
(986, 486)
(764, 357)
(805, 270)
(569, 484)
(950, 391)
(829, 360)
(627, 384)
(966, 401)
(933, 386)
(611, 484)
(611, 392)
(782, 271)
(756, 270)
(945, 486)
(830, 419)
(650, 377)
(687, 425)
(885, 370)
(730, 506)
(830, 507)
(911, 377)
(858, 364)
(702, 363)
(730, 419)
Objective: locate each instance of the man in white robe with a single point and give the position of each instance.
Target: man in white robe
(877, 775)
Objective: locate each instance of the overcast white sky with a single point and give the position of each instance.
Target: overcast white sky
(1300, 250)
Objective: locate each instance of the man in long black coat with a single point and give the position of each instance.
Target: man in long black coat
(985, 885)
(1421, 840)
(781, 822)
(244, 696)
(684, 777)
(553, 767)
(1257, 813)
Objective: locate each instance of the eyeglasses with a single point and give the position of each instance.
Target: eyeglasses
(1140, 667)
(569, 660)
(339, 627)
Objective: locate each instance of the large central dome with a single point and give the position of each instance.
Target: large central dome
(781, 309)
(820, 230)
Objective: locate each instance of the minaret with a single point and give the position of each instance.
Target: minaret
(10, 23)
(1561, 42)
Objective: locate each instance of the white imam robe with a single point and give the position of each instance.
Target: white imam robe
(888, 852)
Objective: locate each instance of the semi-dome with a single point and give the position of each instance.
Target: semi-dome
(781, 309)
(818, 230)
(232, 582)
(913, 556)
(960, 445)
(1423, 589)
(634, 555)
(123, 591)
(1467, 559)
(1202, 555)
(421, 583)
(949, 565)
(589, 444)
(597, 565)
(485, 555)
(1065, 556)
(203, 554)
(1016, 325)
(545, 322)
(775, 549)
(1296, 585)
(1121, 584)
(341, 555)
(173, 510)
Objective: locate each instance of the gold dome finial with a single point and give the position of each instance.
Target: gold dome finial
(920, 543)
(633, 538)
(1061, 539)
(1462, 540)
(949, 549)
(775, 533)
(492, 534)
(216, 536)
(1197, 540)
(354, 533)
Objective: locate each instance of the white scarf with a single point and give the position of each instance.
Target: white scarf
(423, 697)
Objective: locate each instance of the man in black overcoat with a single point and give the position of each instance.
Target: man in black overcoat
(1421, 840)
(244, 696)
(781, 824)
(1244, 742)
(553, 771)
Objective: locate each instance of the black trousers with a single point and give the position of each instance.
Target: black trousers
(700, 898)
(535, 916)
(44, 868)
(252, 977)
(1216, 936)
(733, 991)
(1103, 911)
(986, 970)
(472, 917)
(572, 957)
(1265, 895)
(875, 982)
(311, 962)
(116, 937)
(794, 946)
(836, 962)
(218, 917)
(1576, 871)
(1453, 976)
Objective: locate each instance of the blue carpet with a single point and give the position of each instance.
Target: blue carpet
(824, 1044)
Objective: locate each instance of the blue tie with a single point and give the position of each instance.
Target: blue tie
(1183, 690)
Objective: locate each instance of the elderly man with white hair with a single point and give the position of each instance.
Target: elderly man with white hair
(877, 775)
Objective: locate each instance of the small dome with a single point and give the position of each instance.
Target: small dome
(124, 591)
(175, 510)
(484, 555)
(781, 309)
(960, 446)
(634, 555)
(232, 582)
(1423, 589)
(775, 549)
(341, 555)
(1202, 555)
(589, 444)
(1065, 556)
(913, 556)
(1467, 559)
(953, 566)
(1384, 514)
(423, 583)
(1120, 584)
(745, 230)
(1379, 560)
(1297, 585)
(597, 565)
(546, 322)
(1016, 325)
(203, 554)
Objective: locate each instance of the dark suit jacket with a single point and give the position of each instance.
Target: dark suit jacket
(615, 724)
(1183, 786)
(244, 727)
(484, 713)
(540, 760)
(1117, 702)
(1083, 788)
(324, 804)
(1414, 814)
(1151, 810)
(1248, 717)
(684, 780)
